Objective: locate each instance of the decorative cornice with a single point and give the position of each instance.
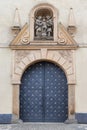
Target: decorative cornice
(51, 47)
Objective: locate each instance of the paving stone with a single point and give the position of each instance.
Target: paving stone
(43, 126)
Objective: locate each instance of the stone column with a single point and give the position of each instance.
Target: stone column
(71, 104)
(16, 103)
(71, 101)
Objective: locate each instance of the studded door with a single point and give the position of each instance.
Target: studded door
(44, 94)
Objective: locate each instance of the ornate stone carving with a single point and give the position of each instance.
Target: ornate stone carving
(25, 38)
(64, 58)
(19, 55)
(61, 39)
(64, 38)
(44, 28)
(66, 54)
(22, 38)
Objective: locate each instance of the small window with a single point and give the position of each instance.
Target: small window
(43, 24)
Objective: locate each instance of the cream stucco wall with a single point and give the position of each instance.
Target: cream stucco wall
(5, 81)
(81, 79)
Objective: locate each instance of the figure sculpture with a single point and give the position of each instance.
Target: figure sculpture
(38, 26)
(50, 25)
(44, 28)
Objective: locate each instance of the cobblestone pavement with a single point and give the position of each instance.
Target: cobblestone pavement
(45, 126)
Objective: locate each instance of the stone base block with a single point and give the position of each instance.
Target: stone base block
(81, 118)
(5, 118)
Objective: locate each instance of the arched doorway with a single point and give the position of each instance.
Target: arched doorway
(44, 94)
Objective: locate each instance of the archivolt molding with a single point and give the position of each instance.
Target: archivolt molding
(43, 5)
(58, 57)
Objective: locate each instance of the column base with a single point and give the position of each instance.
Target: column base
(71, 120)
(16, 120)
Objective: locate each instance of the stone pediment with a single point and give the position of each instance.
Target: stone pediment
(64, 38)
(22, 38)
(64, 41)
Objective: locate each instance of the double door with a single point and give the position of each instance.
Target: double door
(43, 94)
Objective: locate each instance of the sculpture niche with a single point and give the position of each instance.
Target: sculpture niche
(43, 25)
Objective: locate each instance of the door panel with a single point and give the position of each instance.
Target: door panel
(44, 94)
(31, 100)
(55, 91)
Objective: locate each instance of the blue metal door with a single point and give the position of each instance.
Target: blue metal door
(44, 94)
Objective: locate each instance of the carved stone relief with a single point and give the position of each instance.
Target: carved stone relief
(25, 38)
(66, 55)
(62, 57)
(64, 38)
(44, 28)
(19, 55)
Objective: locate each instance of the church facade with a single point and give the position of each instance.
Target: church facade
(43, 65)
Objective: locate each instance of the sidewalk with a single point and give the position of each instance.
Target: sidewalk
(43, 126)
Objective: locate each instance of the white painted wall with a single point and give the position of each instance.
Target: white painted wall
(7, 8)
(5, 82)
(81, 78)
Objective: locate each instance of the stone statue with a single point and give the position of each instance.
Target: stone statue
(38, 26)
(49, 25)
(44, 28)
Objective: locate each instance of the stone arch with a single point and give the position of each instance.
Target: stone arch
(32, 14)
(53, 57)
